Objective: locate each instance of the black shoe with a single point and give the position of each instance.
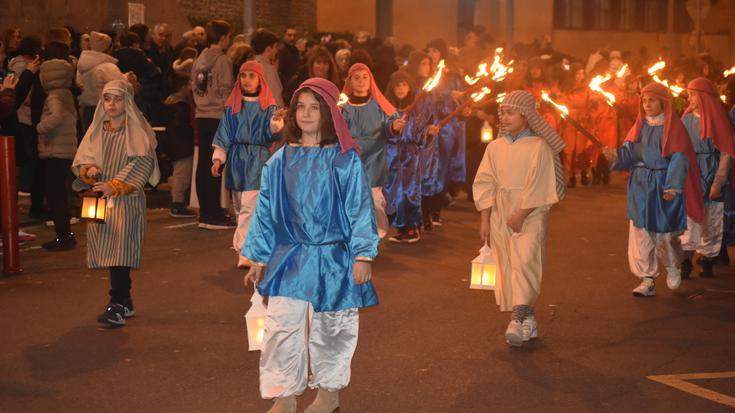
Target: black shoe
(114, 316)
(217, 223)
(63, 243)
(686, 269)
(128, 311)
(585, 178)
(572, 182)
(436, 220)
(707, 268)
(178, 210)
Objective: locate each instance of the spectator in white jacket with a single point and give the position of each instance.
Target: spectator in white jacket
(94, 70)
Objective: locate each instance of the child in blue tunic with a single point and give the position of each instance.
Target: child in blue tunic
(250, 125)
(662, 189)
(709, 128)
(312, 241)
(371, 119)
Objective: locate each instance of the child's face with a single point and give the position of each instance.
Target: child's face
(401, 90)
(114, 104)
(434, 54)
(425, 68)
(694, 101)
(651, 105)
(249, 81)
(360, 83)
(308, 116)
(579, 76)
(320, 68)
(512, 120)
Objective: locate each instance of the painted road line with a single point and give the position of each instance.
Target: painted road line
(679, 382)
(188, 224)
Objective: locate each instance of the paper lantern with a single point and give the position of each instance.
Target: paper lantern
(94, 207)
(255, 320)
(484, 270)
(487, 132)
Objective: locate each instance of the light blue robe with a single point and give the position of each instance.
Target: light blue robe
(650, 175)
(708, 157)
(247, 138)
(370, 127)
(314, 217)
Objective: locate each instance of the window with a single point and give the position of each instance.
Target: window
(619, 15)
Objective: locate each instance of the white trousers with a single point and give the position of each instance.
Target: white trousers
(243, 202)
(705, 238)
(297, 338)
(380, 216)
(646, 248)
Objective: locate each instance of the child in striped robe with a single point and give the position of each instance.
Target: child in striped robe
(117, 158)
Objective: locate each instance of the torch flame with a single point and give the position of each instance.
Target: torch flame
(478, 96)
(728, 72)
(500, 98)
(621, 72)
(498, 70)
(595, 86)
(342, 99)
(675, 90)
(434, 80)
(723, 98)
(657, 67)
(564, 111)
(481, 72)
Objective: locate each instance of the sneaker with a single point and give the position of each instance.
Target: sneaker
(530, 330)
(673, 279)
(436, 220)
(216, 223)
(406, 237)
(64, 243)
(243, 262)
(128, 311)
(178, 210)
(114, 316)
(686, 269)
(72, 221)
(514, 333)
(25, 236)
(647, 288)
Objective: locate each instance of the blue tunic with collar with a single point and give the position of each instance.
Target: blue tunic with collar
(708, 157)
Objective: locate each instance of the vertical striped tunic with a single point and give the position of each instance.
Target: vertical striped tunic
(119, 241)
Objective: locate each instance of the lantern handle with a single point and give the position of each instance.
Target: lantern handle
(486, 249)
(257, 299)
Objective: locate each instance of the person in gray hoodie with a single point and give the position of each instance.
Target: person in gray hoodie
(212, 81)
(57, 144)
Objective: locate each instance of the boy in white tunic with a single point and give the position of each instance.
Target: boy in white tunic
(514, 189)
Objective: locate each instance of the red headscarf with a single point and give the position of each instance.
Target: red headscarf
(265, 97)
(329, 92)
(713, 121)
(374, 90)
(676, 139)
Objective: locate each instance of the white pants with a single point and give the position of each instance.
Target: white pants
(243, 202)
(297, 338)
(705, 238)
(646, 248)
(380, 216)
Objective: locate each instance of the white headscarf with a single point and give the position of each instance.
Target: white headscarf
(140, 139)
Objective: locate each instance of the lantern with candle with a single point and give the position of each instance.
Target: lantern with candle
(486, 134)
(94, 207)
(255, 321)
(484, 269)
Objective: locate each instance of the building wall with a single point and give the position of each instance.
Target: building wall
(345, 16)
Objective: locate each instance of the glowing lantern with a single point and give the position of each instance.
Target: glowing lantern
(255, 320)
(487, 133)
(483, 270)
(94, 207)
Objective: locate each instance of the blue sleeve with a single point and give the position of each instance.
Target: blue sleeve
(676, 173)
(359, 210)
(624, 161)
(388, 126)
(261, 237)
(223, 137)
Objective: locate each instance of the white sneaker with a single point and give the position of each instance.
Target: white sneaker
(530, 330)
(673, 279)
(514, 333)
(646, 289)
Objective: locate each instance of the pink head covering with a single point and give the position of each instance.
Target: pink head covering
(714, 123)
(676, 139)
(375, 92)
(265, 97)
(329, 92)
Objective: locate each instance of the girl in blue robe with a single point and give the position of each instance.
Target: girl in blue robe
(372, 119)
(312, 241)
(250, 125)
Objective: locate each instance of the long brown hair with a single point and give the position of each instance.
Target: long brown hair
(321, 53)
(328, 136)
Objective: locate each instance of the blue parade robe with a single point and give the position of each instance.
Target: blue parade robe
(403, 189)
(708, 156)
(455, 135)
(433, 170)
(650, 175)
(246, 137)
(370, 127)
(314, 217)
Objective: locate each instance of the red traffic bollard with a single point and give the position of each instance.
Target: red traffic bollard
(9, 204)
